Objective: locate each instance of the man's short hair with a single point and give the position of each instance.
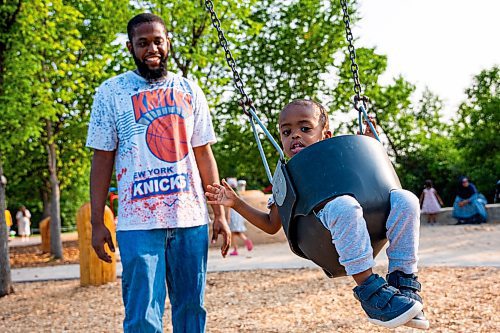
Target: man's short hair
(323, 117)
(140, 19)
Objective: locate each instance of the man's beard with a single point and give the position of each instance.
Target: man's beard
(151, 74)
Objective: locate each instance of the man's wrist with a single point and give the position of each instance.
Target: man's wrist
(97, 222)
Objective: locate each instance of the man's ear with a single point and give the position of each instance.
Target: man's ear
(169, 44)
(327, 134)
(129, 46)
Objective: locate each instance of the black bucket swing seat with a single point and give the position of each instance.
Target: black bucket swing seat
(353, 165)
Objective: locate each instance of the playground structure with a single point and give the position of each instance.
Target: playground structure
(94, 271)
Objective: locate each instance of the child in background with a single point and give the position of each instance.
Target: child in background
(23, 217)
(389, 303)
(8, 221)
(430, 202)
(237, 224)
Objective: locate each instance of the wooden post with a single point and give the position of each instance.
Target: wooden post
(45, 234)
(94, 271)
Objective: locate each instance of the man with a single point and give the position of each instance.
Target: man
(8, 221)
(157, 127)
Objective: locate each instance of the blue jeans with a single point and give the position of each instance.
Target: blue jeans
(155, 259)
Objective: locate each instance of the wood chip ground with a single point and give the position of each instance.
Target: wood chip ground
(302, 300)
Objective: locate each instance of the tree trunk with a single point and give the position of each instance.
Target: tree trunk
(55, 210)
(5, 279)
(45, 194)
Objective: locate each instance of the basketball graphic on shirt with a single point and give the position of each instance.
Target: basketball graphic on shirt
(167, 139)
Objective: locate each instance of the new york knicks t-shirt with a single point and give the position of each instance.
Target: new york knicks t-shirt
(153, 127)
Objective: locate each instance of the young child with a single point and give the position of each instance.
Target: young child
(430, 202)
(236, 224)
(388, 303)
(23, 217)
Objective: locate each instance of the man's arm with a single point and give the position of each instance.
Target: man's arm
(100, 178)
(209, 175)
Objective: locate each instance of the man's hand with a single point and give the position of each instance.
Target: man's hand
(221, 194)
(101, 236)
(220, 227)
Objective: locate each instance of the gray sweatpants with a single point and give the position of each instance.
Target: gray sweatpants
(343, 216)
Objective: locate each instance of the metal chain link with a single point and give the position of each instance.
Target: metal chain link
(229, 57)
(246, 100)
(352, 55)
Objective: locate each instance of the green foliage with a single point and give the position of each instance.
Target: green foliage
(476, 131)
(58, 52)
(52, 78)
(282, 61)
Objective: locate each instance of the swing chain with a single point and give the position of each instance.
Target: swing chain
(358, 98)
(245, 101)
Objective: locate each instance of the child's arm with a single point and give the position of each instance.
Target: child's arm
(439, 198)
(422, 198)
(224, 195)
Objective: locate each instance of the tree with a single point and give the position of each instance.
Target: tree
(70, 53)
(8, 16)
(476, 131)
(284, 60)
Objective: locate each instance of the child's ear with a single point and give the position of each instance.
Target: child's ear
(327, 134)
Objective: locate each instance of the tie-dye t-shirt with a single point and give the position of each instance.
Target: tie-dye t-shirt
(153, 127)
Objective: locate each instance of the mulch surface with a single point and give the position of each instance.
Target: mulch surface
(301, 300)
(32, 256)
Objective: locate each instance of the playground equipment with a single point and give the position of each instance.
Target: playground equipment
(351, 164)
(94, 271)
(45, 234)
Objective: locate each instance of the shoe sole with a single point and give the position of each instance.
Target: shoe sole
(418, 324)
(402, 319)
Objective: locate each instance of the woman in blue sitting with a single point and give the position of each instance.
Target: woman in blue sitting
(469, 206)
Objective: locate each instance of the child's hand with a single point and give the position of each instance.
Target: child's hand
(221, 194)
(368, 130)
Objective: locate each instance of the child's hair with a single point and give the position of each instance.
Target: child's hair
(428, 183)
(323, 117)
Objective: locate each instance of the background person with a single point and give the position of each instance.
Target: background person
(497, 192)
(237, 223)
(8, 221)
(430, 202)
(23, 217)
(470, 205)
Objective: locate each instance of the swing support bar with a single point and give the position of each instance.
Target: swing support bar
(255, 119)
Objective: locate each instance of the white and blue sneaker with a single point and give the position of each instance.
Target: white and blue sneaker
(409, 286)
(385, 305)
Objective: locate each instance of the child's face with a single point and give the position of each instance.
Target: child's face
(300, 127)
